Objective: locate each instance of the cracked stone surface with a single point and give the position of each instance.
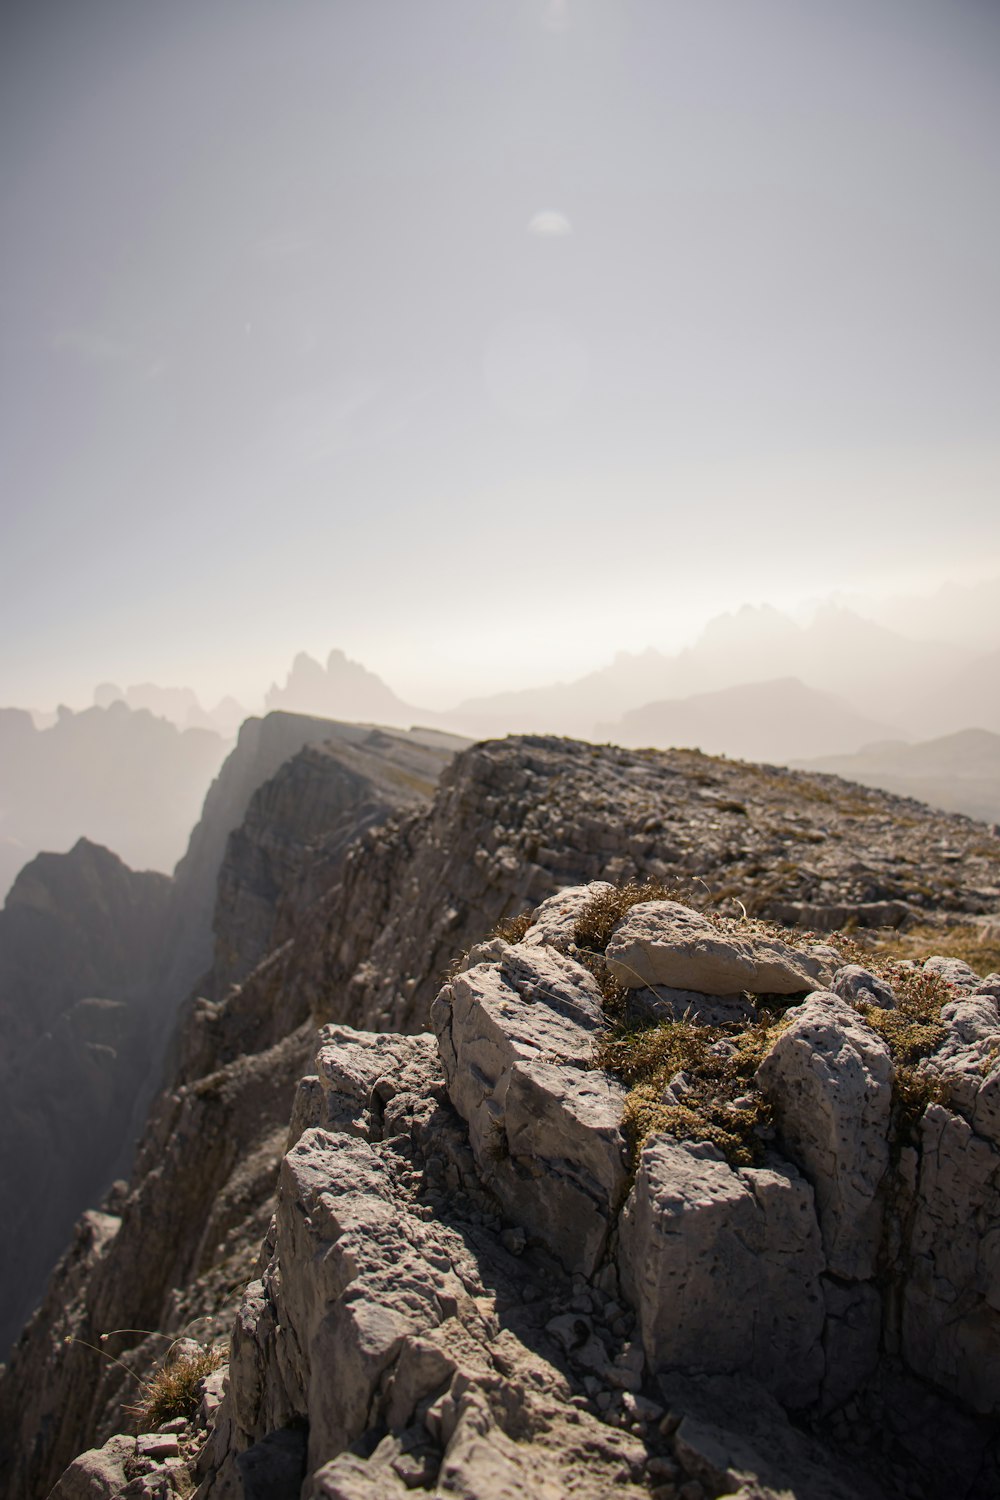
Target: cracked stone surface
(723, 1266)
(516, 1039)
(665, 943)
(830, 1078)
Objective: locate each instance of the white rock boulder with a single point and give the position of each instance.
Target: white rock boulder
(665, 943)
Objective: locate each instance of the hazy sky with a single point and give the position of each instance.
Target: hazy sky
(483, 337)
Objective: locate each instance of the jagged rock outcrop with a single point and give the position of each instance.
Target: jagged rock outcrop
(516, 1039)
(413, 1323)
(723, 1267)
(263, 747)
(730, 1271)
(511, 824)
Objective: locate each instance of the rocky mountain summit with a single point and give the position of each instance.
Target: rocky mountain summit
(652, 1208)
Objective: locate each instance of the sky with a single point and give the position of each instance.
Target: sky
(480, 339)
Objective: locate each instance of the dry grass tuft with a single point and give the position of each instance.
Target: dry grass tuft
(512, 929)
(603, 913)
(172, 1390)
(961, 941)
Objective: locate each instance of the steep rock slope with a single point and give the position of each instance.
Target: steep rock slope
(91, 984)
(512, 822)
(80, 939)
(262, 747)
(296, 831)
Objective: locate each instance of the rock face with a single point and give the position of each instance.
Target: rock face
(95, 960)
(296, 831)
(423, 1313)
(79, 948)
(830, 1077)
(296, 814)
(516, 1039)
(417, 1307)
(723, 1268)
(420, 1241)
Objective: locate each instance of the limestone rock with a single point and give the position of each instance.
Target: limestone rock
(515, 1039)
(951, 1311)
(665, 1004)
(830, 1080)
(365, 944)
(851, 1338)
(735, 1439)
(723, 1267)
(98, 1474)
(363, 1280)
(859, 986)
(554, 922)
(664, 943)
(359, 1072)
(967, 1063)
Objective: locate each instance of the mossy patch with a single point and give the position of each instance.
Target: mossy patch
(721, 1102)
(911, 1032)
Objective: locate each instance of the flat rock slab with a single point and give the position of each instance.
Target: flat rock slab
(665, 943)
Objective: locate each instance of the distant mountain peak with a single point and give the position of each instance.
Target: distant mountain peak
(343, 689)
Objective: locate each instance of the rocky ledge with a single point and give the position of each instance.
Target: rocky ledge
(491, 1273)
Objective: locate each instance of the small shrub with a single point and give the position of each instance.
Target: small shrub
(913, 1090)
